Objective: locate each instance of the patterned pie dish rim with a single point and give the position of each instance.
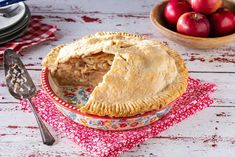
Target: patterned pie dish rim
(100, 122)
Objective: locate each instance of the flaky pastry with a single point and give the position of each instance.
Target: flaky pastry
(130, 74)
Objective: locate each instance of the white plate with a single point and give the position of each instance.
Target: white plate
(22, 23)
(8, 22)
(17, 34)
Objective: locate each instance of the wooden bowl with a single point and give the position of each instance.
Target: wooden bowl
(156, 16)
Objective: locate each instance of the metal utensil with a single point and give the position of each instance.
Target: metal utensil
(21, 86)
(4, 3)
(8, 8)
(10, 11)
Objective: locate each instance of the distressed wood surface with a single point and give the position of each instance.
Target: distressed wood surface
(208, 133)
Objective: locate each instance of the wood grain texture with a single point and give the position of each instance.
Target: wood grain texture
(219, 59)
(208, 133)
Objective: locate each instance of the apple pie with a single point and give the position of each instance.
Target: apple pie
(130, 75)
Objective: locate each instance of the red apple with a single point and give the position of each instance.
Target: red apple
(193, 24)
(206, 6)
(222, 22)
(174, 9)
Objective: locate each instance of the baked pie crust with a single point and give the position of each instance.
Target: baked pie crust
(130, 74)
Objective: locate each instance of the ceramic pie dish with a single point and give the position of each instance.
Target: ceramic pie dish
(114, 81)
(94, 121)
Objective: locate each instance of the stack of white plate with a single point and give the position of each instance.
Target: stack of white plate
(14, 25)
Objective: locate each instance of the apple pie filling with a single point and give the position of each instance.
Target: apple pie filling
(85, 70)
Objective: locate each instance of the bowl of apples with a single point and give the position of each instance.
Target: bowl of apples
(201, 24)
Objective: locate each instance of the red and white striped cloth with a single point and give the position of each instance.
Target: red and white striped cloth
(113, 143)
(36, 32)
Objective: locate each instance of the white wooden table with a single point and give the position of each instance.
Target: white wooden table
(208, 133)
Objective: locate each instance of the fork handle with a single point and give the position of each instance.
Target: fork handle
(47, 138)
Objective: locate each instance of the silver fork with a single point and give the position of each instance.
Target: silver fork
(21, 86)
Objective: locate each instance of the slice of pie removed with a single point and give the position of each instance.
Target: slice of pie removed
(130, 75)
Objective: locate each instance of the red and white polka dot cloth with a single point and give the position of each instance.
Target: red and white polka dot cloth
(113, 143)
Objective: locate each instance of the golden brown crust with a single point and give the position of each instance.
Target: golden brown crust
(135, 106)
(169, 94)
(50, 59)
